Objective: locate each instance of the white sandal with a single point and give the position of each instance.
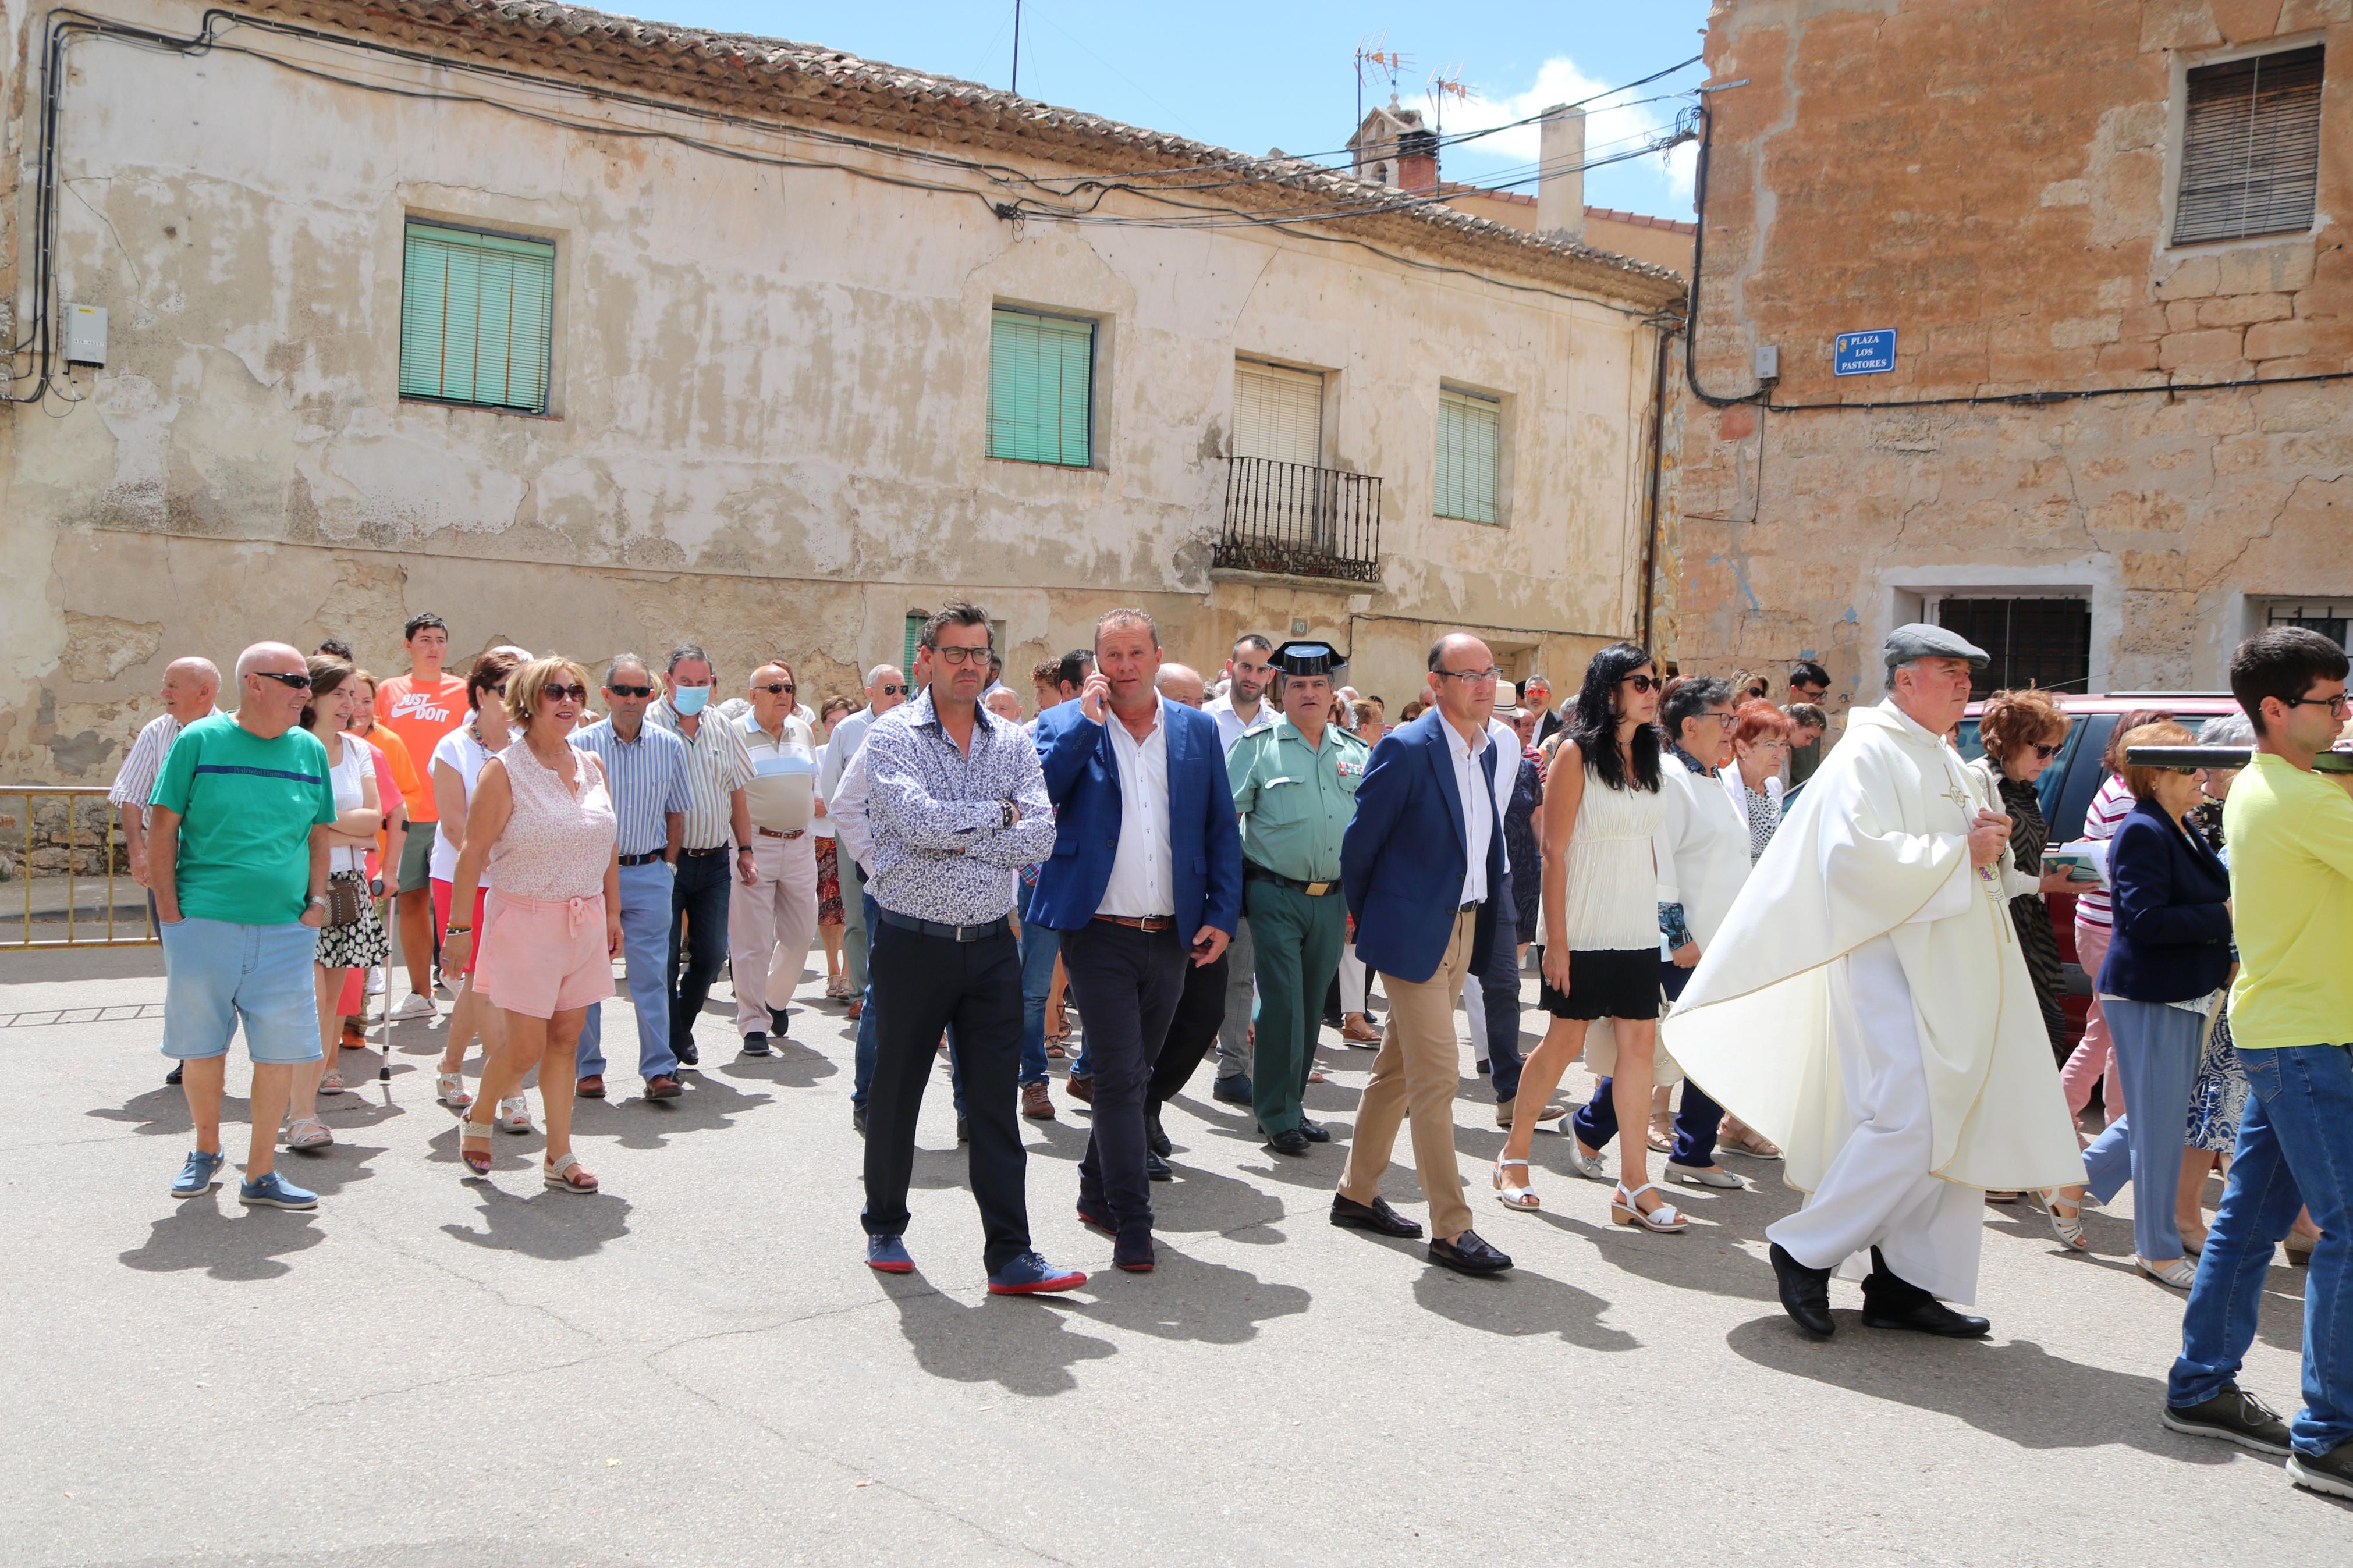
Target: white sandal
(515, 1114)
(564, 1173)
(2179, 1273)
(449, 1088)
(308, 1132)
(332, 1082)
(2068, 1226)
(1522, 1198)
(1625, 1208)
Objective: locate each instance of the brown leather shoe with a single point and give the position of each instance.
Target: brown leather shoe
(1037, 1101)
(662, 1086)
(1083, 1089)
(590, 1088)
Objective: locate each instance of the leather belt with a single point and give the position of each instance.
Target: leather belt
(1141, 923)
(1466, 908)
(778, 832)
(945, 932)
(698, 854)
(645, 859)
(1254, 872)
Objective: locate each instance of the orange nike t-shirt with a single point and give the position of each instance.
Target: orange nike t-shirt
(420, 712)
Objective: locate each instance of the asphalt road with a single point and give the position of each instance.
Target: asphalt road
(695, 1366)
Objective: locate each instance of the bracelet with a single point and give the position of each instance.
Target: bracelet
(457, 931)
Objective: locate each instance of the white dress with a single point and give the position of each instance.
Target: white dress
(1612, 904)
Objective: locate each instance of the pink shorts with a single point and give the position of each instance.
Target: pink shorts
(542, 957)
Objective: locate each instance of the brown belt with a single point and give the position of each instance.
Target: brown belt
(1141, 923)
(775, 833)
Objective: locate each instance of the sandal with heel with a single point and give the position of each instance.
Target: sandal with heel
(472, 1133)
(1626, 1208)
(567, 1174)
(1522, 1196)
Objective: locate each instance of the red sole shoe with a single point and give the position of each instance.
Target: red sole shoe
(1069, 1282)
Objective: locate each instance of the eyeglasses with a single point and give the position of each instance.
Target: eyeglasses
(630, 691)
(1473, 676)
(2044, 753)
(961, 655)
(299, 682)
(1643, 682)
(777, 687)
(2340, 703)
(895, 691)
(1726, 720)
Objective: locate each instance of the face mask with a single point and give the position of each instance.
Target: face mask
(689, 700)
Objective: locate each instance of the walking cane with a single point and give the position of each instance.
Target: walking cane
(383, 972)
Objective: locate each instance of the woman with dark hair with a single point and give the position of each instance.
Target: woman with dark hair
(832, 917)
(456, 762)
(1602, 808)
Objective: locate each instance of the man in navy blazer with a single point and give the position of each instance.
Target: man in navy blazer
(1146, 877)
(1419, 863)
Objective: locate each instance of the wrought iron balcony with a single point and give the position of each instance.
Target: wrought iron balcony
(1300, 521)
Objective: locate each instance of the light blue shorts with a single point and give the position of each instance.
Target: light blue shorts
(217, 973)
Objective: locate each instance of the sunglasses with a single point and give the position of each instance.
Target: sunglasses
(576, 692)
(630, 691)
(298, 682)
(895, 691)
(776, 688)
(1643, 682)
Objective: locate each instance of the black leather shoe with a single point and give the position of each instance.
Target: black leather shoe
(755, 1043)
(1927, 1315)
(858, 1119)
(1291, 1141)
(1157, 1168)
(1153, 1138)
(779, 1022)
(1466, 1254)
(1315, 1130)
(964, 1129)
(1375, 1217)
(688, 1057)
(1234, 1089)
(1805, 1294)
(172, 1077)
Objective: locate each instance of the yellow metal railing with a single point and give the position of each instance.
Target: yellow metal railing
(53, 911)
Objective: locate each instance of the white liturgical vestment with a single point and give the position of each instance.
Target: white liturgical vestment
(1866, 1006)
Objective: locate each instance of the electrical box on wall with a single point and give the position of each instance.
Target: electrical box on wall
(1768, 362)
(85, 334)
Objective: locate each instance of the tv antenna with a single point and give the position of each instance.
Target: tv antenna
(1443, 85)
(1374, 54)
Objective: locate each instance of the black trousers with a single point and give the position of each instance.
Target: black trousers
(1127, 982)
(922, 984)
(698, 932)
(1200, 1014)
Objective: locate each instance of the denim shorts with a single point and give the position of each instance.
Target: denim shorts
(218, 973)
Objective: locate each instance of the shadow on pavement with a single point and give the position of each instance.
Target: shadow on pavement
(1188, 1298)
(1519, 1305)
(549, 1225)
(710, 1102)
(1023, 1344)
(250, 1244)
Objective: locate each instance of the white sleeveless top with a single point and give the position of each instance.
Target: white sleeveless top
(557, 841)
(1612, 901)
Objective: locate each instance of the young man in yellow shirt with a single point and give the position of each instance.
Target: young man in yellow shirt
(2291, 838)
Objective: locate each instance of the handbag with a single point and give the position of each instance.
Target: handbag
(345, 900)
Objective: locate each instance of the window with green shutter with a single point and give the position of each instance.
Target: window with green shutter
(477, 311)
(1041, 388)
(1469, 455)
(915, 619)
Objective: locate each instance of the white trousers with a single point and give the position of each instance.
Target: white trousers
(1355, 985)
(1877, 1191)
(770, 924)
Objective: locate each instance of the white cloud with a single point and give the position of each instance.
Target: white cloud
(1617, 125)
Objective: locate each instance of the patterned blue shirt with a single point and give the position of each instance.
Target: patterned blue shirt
(647, 778)
(942, 851)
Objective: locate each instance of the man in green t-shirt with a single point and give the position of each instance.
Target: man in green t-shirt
(2291, 836)
(237, 853)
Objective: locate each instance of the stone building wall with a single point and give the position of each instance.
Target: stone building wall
(1993, 180)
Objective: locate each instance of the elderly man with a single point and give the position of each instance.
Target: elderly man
(772, 916)
(886, 688)
(645, 771)
(238, 862)
(718, 820)
(1865, 1006)
(189, 687)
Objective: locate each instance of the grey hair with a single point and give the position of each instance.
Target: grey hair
(1894, 669)
(2227, 730)
(248, 661)
(875, 675)
(683, 652)
(620, 661)
(203, 667)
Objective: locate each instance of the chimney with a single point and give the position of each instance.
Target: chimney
(1560, 189)
(1417, 163)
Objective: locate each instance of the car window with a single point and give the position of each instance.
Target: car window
(2083, 775)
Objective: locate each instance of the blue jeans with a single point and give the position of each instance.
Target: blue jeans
(2157, 1056)
(862, 1067)
(645, 945)
(1039, 948)
(2296, 1150)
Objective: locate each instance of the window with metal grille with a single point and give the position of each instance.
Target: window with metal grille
(2331, 620)
(1278, 413)
(477, 314)
(2250, 147)
(1041, 388)
(2033, 641)
(1469, 455)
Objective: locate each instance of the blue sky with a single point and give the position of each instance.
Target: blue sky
(1258, 75)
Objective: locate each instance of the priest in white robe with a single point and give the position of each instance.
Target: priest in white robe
(1867, 1008)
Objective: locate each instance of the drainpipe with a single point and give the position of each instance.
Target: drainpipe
(1663, 329)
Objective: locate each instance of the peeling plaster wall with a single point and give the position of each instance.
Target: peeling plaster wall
(769, 401)
(1991, 180)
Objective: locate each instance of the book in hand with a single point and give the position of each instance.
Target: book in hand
(2084, 861)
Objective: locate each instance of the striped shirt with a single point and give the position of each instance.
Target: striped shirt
(2109, 807)
(647, 778)
(941, 849)
(717, 766)
(135, 783)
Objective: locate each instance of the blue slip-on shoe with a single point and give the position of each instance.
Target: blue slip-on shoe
(1234, 1089)
(198, 1177)
(1030, 1275)
(888, 1254)
(272, 1191)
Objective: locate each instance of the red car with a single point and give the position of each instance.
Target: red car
(2068, 784)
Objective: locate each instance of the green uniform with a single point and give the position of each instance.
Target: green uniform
(1296, 801)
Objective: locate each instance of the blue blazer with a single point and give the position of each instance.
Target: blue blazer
(1083, 780)
(2172, 938)
(1407, 850)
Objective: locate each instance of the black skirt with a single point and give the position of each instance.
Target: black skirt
(1619, 983)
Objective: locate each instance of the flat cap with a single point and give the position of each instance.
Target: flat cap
(1920, 640)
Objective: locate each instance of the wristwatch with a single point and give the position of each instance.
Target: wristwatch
(318, 901)
(1012, 812)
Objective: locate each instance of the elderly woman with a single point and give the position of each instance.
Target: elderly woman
(2219, 1097)
(2162, 980)
(2022, 731)
(830, 915)
(1761, 747)
(2094, 1056)
(541, 819)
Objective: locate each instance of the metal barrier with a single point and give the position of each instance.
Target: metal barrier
(68, 906)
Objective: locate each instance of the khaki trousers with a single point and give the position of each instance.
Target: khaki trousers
(770, 924)
(1417, 1072)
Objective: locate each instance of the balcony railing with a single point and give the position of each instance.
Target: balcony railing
(1302, 521)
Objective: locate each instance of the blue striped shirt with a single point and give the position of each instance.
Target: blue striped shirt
(646, 778)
